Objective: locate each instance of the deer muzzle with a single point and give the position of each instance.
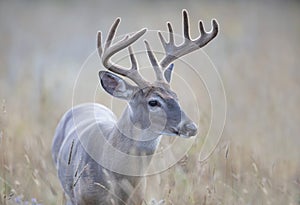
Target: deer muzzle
(188, 130)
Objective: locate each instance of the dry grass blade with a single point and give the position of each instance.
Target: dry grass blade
(81, 172)
(70, 153)
(112, 193)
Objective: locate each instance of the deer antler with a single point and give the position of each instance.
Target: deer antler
(109, 50)
(173, 52)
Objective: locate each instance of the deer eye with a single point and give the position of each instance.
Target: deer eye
(153, 103)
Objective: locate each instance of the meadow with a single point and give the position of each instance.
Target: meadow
(44, 45)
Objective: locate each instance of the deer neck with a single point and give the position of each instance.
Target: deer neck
(131, 139)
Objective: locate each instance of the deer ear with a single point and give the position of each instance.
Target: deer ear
(115, 85)
(168, 73)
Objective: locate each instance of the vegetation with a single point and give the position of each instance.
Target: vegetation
(43, 45)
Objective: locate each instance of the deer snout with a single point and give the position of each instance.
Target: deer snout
(188, 130)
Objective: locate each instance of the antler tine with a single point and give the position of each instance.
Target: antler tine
(132, 59)
(171, 37)
(156, 67)
(205, 37)
(109, 50)
(112, 33)
(186, 29)
(173, 52)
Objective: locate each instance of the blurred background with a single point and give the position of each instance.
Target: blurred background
(43, 45)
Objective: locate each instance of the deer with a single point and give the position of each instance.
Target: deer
(152, 111)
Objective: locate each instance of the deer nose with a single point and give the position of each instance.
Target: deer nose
(189, 130)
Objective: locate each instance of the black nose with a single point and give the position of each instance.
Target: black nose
(189, 129)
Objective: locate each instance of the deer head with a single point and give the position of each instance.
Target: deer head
(152, 105)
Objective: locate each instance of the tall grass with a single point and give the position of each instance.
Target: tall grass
(43, 45)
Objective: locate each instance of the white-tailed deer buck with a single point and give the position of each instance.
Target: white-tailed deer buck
(153, 110)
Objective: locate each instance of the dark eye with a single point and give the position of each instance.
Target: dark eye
(153, 103)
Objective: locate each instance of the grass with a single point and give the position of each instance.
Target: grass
(257, 160)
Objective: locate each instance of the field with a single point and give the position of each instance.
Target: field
(44, 45)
